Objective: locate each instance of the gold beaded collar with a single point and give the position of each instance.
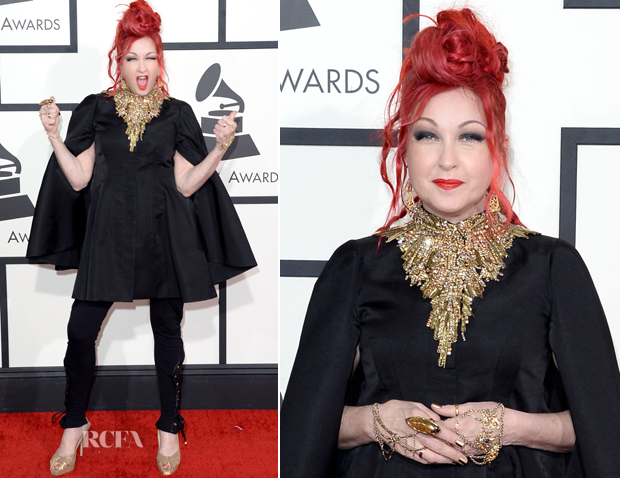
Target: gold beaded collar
(137, 110)
(452, 264)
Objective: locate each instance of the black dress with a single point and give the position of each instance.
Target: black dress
(130, 232)
(544, 304)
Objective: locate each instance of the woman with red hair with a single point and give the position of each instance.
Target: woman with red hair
(373, 391)
(132, 199)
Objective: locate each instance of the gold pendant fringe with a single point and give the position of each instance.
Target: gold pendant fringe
(137, 111)
(451, 263)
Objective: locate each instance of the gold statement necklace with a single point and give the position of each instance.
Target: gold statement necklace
(452, 264)
(137, 111)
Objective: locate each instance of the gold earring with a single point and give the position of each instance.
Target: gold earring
(494, 204)
(410, 198)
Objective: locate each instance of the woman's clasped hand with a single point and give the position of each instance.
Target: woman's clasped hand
(438, 448)
(391, 429)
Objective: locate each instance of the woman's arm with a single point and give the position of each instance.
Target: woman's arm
(77, 169)
(355, 427)
(190, 178)
(543, 431)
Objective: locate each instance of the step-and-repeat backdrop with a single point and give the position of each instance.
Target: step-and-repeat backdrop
(339, 61)
(220, 56)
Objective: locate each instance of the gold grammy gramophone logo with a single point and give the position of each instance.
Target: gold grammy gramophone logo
(13, 205)
(218, 95)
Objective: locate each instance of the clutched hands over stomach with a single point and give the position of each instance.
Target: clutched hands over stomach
(432, 441)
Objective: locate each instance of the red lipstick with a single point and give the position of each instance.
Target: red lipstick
(448, 183)
(142, 81)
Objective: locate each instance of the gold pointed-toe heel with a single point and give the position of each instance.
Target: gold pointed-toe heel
(67, 463)
(174, 461)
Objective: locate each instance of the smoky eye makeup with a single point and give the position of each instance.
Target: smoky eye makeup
(473, 137)
(421, 135)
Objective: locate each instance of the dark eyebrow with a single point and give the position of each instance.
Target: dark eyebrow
(149, 53)
(465, 123)
(422, 118)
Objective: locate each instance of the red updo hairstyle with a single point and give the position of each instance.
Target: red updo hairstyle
(138, 21)
(459, 52)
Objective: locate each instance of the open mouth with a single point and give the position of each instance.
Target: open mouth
(142, 82)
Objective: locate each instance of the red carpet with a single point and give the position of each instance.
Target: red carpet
(220, 443)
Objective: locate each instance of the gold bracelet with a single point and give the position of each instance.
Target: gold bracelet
(491, 437)
(52, 137)
(229, 142)
(388, 443)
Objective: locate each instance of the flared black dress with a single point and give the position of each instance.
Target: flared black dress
(544, 304)
(131, 233)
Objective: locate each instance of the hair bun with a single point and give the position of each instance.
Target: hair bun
(140, 19)
(458, 51)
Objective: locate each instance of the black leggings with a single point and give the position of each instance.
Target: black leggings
(83, 329)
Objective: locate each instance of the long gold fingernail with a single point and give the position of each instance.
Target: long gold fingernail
(460, 443)
(463, 460)
(435, 405)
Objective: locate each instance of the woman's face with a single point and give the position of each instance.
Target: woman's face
(139, 66)
(449, 161)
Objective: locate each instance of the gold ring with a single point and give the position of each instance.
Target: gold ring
(427, 426)
(46, 102)
(456, 410)
(421, 452)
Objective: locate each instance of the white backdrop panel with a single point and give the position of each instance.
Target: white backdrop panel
(187, 21)
(362, 36)
(330, 194)
(597, 230)
(39, 302)
(38, 22)
(252, 320)
(242, 24)
(201, 328)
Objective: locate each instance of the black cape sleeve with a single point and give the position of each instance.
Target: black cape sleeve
(59, 221)
(583, 347)
(315, 396)
(223, 238)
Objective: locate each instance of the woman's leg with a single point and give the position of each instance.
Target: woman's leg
(83, 329)
(166, 316)
(84, 324)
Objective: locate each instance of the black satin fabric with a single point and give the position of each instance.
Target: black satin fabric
(130, 233)
(544, 304)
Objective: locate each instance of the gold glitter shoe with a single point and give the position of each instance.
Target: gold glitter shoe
(66, 464)
(174, 460)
